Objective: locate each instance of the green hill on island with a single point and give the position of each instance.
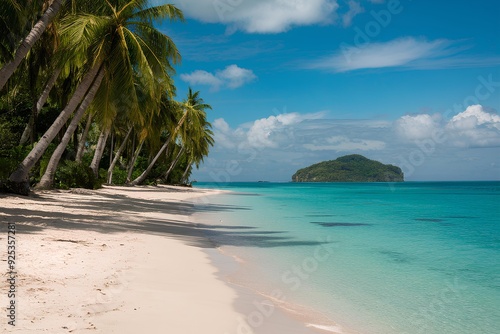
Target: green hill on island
(349, 168)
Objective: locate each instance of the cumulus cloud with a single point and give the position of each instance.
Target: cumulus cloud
(305, 132)
(475, 127)
(261, 16)
(475, 116)
(231, 77)
(235, 76)
(201, 77)
(274, 147)
(223, 134)
(275, 130)
(418, 126)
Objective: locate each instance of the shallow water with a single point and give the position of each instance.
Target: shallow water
(375, 258)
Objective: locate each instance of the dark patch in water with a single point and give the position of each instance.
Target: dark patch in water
(396, 257)
(432, 220)
(245, 194)
(326, 224)
(319, 215)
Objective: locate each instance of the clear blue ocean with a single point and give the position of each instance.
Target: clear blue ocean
(375, 258)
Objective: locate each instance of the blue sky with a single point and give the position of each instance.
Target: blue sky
(294, 82)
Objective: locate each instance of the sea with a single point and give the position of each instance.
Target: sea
(369, 258)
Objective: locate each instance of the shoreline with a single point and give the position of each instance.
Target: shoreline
(265, 304)
(120, 260)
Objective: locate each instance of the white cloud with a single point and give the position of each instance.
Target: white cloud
(273, 148)
(223, 134)
(354, 9)
(275, 130)
(475, 116)
(200, 77)
(235, 76)
(395, 53)
(475, 128)
(406, 52)
(417, 127)
(261, 16)
(231, 77)
(221, 125)
(296, 131)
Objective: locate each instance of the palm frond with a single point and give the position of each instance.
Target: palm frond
(168, 11)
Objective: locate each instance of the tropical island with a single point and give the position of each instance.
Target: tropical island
(349, 168)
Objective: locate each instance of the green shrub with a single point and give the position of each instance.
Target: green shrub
(119, 176)
(72, 174)
(9, 160)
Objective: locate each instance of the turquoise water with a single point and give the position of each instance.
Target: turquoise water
(374, 258)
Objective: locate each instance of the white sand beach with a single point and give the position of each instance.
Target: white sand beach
(119, 260)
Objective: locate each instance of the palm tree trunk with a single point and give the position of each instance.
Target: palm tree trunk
(184, 176)
(131, 165)
(39, 104)
(28, 130)
(144, 174)
(83, 139)
(111, 146)
(34, 35)
(118, 155)
(99, 151)
(174, 163)
(18, 180)
(47, 180)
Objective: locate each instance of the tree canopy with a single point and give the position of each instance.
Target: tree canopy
(87, 96)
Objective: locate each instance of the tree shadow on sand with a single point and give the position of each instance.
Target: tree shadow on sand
(115, 213)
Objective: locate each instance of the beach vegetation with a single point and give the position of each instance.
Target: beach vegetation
(94, 92)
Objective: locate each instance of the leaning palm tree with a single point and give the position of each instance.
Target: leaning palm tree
(171, 124)
(199, 149)
(118, 154)
(44, 71)
(128, 51)
(36, 32)
(157, 124)
(194, 135)
(191, 109)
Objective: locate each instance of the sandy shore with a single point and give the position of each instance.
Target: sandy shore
(120, 260)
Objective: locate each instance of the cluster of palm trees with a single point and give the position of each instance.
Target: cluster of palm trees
(107, 68)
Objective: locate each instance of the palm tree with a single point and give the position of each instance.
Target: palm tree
(118, 155)
(48, 177)
(28, 131)
(196, 137)
(19, 178)
(36, 32)
(199, 148)
(171, 126)
(123, 41)
(174, 162)
(83, 138)
(191, 108)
